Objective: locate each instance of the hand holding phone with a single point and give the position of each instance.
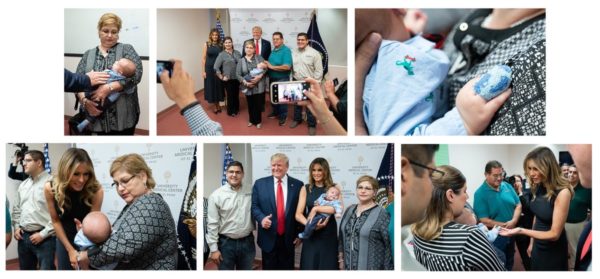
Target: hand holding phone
(289, 92)
(163, 65)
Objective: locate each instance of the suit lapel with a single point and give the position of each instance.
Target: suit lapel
(290, 193)
(271, 193)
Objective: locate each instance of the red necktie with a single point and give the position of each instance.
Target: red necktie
(586, 245)
(280, 209)
(257, 48)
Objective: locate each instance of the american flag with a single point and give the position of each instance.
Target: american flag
(228, 158)
(47, 156)
(385, 177)
(220, 29)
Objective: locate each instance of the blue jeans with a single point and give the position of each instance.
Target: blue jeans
(310, 119)
(279, 110)
(31, 255)
(238, 254)
(309, 229)
(506, 245)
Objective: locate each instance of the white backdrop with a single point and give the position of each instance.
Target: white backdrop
(348, 161)
(289, 22)
(170, 164)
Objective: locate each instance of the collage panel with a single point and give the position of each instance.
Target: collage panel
(252, 71)
(441, 72)
(496, 207)
(122, 206)
(293, 206)
(106, 84)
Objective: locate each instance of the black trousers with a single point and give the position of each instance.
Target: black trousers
(280, 258)
(232, 87)
(254, 107)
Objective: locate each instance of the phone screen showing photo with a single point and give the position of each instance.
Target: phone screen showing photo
(292, 92)
(163, 65)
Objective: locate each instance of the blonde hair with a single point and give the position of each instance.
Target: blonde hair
(108, 19)
(68, 164)
(431, 226)
(327, 179)
(280, 156)
(133, 164)
(369, 179)
(552, 178)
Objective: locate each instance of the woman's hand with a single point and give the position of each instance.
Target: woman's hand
(203, 74)
(84, 261)
(78, 224)
(100, 94)
(257, 78)
(475, 112)
(322, 223)
(73, 259)
(365, 53)
(509, 232)
(91, 107)
(225, 78)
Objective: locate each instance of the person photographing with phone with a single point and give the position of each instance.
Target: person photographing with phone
(317, 105)
(179, 87)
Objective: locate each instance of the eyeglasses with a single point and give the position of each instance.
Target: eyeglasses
(432, 172)
(123, 183)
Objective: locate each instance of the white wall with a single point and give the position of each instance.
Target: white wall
(143, 93)
(471, 159)
(181, 34)
(55, 150)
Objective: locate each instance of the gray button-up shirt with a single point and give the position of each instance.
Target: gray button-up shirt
(30, 211)
(229, 214)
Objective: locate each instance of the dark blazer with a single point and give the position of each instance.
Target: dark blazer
(263, 204)
(265, 48)
(77, 82)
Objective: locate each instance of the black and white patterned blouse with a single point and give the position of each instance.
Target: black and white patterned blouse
(473, 50)
(144, 237)
(459, 248)
(365, 240)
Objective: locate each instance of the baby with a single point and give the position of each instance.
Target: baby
(402, 93)
(95, 230)
(120, 70)
(330, 198)
(261, 68)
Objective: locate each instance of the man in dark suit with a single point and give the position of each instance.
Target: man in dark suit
(274, 202)
(261, 46)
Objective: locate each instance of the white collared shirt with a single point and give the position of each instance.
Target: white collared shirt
(284, 184)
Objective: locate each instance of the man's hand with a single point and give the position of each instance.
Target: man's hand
(18, 234)
(97, 78)
(216, 257)
(36, 238)
(180, 86)
(266, 222)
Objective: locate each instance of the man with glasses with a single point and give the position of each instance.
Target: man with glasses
(497, 204)
(31, 219)
(229, 223)
(417, 168)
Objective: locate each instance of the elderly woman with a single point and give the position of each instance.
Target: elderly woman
(213, 88)
(364, 240)
(122, 117)
(255, 93)
(144, 235)
(552, 195)
(442, 244)
(72, 194)
(225, 69)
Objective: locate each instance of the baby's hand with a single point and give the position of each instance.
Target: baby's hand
(475, 112)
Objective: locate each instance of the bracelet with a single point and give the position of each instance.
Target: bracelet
(84, 101)
(191, 105)
(326, 120)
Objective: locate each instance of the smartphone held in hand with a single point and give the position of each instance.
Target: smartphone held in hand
(163, 65)
(288, 92)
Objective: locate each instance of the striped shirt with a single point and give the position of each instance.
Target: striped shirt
(459, 248)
